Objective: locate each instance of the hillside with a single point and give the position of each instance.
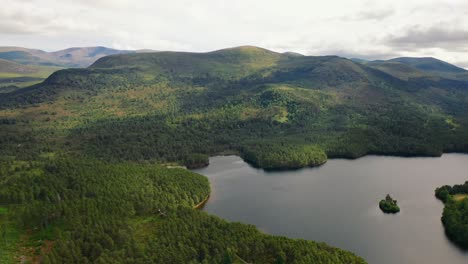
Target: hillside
(399, 70)
(102, 128)
(172, 105)
(429, 64)
(13, 67)
(409, 67)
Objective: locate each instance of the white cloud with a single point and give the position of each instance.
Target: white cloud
(379, 28)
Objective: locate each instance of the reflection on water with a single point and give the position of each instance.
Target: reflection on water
(337, 203)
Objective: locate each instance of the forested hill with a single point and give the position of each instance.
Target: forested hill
(183, 107)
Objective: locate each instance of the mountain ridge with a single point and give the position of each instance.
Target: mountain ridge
(86, 56)
(70, 57)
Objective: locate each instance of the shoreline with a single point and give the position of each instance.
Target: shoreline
(202, 203)
(335, 157)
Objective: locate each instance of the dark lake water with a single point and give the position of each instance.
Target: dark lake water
(337, 203)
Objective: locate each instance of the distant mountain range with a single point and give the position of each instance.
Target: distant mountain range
(20, 67)
(68, 58)
(80, 57)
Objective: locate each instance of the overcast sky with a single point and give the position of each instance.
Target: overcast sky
(375, 29)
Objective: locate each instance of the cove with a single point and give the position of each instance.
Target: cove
(337, 203)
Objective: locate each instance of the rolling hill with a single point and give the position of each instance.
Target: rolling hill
(13, 67)
(426, 67)
(15, 75)
(429, 64)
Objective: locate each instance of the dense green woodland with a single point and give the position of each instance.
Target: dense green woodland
(279, 156)
(455, 216)
(97, 212)
(78, 148)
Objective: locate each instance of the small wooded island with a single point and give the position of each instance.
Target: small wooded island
(389, 206)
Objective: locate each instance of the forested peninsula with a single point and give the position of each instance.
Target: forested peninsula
(455, 215)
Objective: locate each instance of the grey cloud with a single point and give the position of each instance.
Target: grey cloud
(9, 28)
(375, 14)
(368, 13)
(104, 3)
(434, 37)
(22, 22)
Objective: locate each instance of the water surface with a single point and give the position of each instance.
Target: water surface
(337, 203)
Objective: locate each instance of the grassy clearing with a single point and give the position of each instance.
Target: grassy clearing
(40, 72)
(145, 228)
(459, 197)
(9, 237)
